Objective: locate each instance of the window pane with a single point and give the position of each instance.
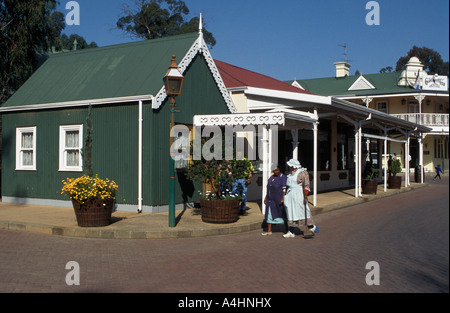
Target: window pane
(73, 158)
(72, 139)
(27, 140)
(27, 158)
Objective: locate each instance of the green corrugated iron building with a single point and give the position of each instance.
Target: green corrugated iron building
(45, 121)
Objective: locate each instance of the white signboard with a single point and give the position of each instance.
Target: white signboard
(435, 82)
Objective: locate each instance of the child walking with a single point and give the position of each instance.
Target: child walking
(438, 170)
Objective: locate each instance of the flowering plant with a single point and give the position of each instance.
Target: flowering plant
(87, 187)
(220, 176)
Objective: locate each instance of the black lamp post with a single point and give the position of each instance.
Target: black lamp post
(173, 82)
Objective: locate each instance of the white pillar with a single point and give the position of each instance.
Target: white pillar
(407, 156)
(357, 162)
(385, 162)
(265, 159)
(406, 162)
(316, 178)
(294, 133)
(421, 157)
(359, 158)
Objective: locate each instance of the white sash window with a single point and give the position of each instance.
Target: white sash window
(26, 148)
(70, 145)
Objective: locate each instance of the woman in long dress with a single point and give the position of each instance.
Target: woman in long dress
(298, 188)
(276, 189)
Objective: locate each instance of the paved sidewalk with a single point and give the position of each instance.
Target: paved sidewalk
(128, 225)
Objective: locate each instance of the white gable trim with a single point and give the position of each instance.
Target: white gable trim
(199, 46)
(361, 84)
(297, 84)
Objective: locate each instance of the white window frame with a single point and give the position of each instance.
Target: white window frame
(379, 103)
(20, 150)
(63, 149)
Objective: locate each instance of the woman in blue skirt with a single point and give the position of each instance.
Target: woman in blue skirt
(276, 189)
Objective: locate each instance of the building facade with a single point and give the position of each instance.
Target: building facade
(410, 94)
(119, 89)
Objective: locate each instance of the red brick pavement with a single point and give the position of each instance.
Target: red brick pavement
(411, 248)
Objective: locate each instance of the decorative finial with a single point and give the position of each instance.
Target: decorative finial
(200, 25)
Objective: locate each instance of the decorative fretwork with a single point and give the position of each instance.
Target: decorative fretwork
(199, 46)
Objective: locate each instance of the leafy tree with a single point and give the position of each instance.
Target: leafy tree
(387, 69)
(150, 19)
(26, 26)
(29, 29)
(67, 43)
(431, 59)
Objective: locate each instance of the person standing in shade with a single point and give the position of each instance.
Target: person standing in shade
(276, 190)
(242, 172)
(296, 201)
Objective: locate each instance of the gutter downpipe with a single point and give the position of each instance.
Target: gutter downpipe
(140, 158)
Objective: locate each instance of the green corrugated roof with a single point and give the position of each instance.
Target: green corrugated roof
(130, 69)
(384, 83)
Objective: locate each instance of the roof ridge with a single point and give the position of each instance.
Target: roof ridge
(126, 44)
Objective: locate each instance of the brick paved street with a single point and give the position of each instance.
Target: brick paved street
(407, 234)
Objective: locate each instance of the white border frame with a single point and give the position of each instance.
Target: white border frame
(19, 132)
(62, 144)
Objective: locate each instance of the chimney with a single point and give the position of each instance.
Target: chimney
(342, 69)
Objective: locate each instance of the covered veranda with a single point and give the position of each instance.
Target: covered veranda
(302, 115)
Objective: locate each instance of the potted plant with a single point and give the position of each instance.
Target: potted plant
(92, 198)
(369, 183)
(218, 204)
(394, 181)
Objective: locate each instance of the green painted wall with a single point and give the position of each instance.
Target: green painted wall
(115, 144)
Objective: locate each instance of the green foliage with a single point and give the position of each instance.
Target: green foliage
(28, 30)
(396, 167)
(25, 27)
(219, 174)
(151, 19)
(212, 172)
(431, 59)
(87, 147)
(369, 172)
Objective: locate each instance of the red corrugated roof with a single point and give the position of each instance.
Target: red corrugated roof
(234, 76)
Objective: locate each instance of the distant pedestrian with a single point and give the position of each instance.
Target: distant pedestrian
(390, 165)
(296, 200)
(438, 170)
(276, 190)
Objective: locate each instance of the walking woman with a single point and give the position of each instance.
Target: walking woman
(295, 200)
(276, 189)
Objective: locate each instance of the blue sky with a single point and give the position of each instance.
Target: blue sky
(289, 39)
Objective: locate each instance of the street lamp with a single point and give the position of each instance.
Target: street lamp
(173, 82)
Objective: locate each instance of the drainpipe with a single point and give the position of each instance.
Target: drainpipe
(140, 158)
